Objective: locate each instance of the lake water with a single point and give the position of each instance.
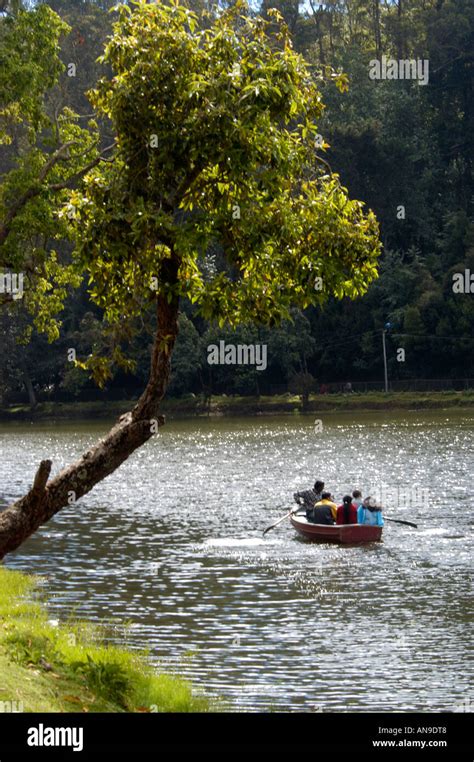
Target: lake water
(172, 544)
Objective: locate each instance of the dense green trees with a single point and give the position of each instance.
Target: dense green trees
(395, 144)
(398, 144)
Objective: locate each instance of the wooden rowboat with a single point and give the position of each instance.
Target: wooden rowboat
(348, 534)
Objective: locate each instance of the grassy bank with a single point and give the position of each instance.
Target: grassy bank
(189, 407)
(47, 667)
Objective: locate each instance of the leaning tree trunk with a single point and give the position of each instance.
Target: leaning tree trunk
(132, 430)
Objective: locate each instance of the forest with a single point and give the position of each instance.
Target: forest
(402, 146)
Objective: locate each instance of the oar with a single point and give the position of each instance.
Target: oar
(280, 520)
(398, 521)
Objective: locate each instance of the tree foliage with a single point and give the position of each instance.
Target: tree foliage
(215, 129)
(44, 155)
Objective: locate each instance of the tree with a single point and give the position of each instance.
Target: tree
(303, 384)
(377, 30)
(186, 359)
(215, 141)
(291, 345)
(43, 156)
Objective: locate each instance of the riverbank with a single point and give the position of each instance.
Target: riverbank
(46, 666)
(192, 406)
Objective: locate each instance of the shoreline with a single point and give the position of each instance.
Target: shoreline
(223, 406)
(48, 665)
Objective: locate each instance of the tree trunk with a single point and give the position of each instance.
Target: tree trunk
(317, 16)
(30, 389)
(132, 430)
(294, 17)
(331, 33)
(401, 32)
(322, 55)
(377, 34)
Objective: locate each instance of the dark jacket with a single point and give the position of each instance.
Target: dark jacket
(320, 515)
(309, 498)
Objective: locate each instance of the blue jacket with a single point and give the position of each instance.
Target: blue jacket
(364, 516)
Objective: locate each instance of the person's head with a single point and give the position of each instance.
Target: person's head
(357, 494)
(326, 496)
(318, 486)
(346, 501)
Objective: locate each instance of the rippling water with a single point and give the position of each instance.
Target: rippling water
(172, 544)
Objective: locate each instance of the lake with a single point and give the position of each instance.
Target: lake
(169, 551)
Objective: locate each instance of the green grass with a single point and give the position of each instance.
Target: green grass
(287, 403)
(188, 407)
(69, 667)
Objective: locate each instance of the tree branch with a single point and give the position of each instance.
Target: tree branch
(35, 190)
(58, 155)
(19, 520)
(41, 478)
(178, 194)
(77, 176)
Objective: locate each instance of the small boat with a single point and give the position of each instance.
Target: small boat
(348, 534)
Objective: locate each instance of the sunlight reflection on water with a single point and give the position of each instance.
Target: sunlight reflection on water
(173, 544)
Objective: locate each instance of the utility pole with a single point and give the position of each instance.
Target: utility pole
(384, 331)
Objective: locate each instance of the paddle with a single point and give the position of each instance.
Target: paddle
(398, 521)
(272, 526)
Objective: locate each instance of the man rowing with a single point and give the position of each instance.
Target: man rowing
(310, 497)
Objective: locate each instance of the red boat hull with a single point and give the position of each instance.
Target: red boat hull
(347, 534)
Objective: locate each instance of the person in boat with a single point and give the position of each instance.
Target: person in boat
(347, 512)
(310, 497)
(357, 498)
(324, 512)
(370, 513)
